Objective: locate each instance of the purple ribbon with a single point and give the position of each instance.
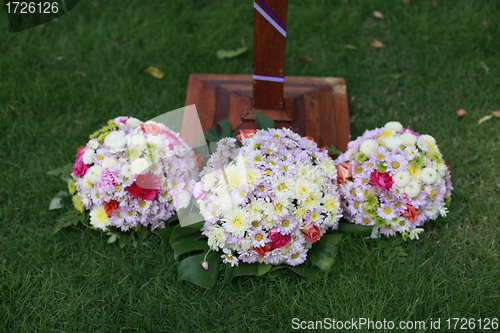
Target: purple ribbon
(276, 22)
(269, 78)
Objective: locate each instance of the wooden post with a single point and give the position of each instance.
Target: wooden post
(269, 35)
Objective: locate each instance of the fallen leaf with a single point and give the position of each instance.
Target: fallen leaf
(81, 73)
(485, 118)
(426, 37)
(496, 113)
(348, 46)
(14, 109)
(487, 70)
(221, 54)
(461, 112)
(305, 59)
(376, 43)
(486, 24)
(434, 2)
(119, 39)
(406, 1)
(153, 71)
(378, 14)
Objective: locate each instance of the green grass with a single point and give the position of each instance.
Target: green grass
(61, 81)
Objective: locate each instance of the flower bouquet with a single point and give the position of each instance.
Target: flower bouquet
(132, 176)
(394, 179)
(275, 198)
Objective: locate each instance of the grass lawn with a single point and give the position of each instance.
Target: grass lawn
(61, 81)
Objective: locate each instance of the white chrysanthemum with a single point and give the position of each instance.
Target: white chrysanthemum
(109, 162)
(237, 221)
(115, 140)
(394, 126)
(368, 147)
(133, 122)
(408, 139)
(88, 156)
(443, 211)
(99, 218)
(140, 166)
(392, 142)
(428, 175)
(439, 179)
(93, 174)
(426, 142)
(93, 144)
(181, 199)
(412, 189)
(209, 181)
(127, 170)
(401, 178)
(137, 141)
(154, 140)
(303, 188)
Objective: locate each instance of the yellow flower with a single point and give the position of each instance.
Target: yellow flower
(71, 187)
(77, 203)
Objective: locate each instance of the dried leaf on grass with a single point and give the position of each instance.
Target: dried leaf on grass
(461, 112)
(304, 59)
(376, 43)
(485, 118)
(486, 24)
(378, 14)
(496, 113)
(349, 46)
(155, 72)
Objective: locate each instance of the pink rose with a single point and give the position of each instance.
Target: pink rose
(80, 168)
(277, 239)
(245, 133)
(311, 233)
(343, 172)
(381, 179)
(171, 137)
(151, 128)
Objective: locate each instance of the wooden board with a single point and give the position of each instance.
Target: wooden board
(312, 106)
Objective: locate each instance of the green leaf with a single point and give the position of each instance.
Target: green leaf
(225, 126)
(180, 232)
(181, 248)
(67, 219)
(310, 273)
(190, 269)
(323, 253)
(351, 228)
(62, 172)
(240, 270)
(164, 233)
(211, 135)
(332, 150)
(221, 54)
(263, 122)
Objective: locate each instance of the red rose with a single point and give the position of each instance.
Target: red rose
(311, 233)
(263, 249)
(309, 138)
(245, 133)
(343, 172)
(411, 213)
(143, 193)
(381, 179)
(80, 168)
(277, 239)
(110, 207)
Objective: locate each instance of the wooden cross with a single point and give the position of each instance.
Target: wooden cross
(311, 106)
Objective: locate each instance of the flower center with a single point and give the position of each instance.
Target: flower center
(295, 256)
(387, 210)
(395, 164)
(285, 223)
(258, 237)
(142, 203)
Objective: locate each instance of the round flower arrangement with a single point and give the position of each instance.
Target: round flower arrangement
(269, 200)
(395, 179)
(132, 174)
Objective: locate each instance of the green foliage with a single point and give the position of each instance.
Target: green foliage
(263, 122)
